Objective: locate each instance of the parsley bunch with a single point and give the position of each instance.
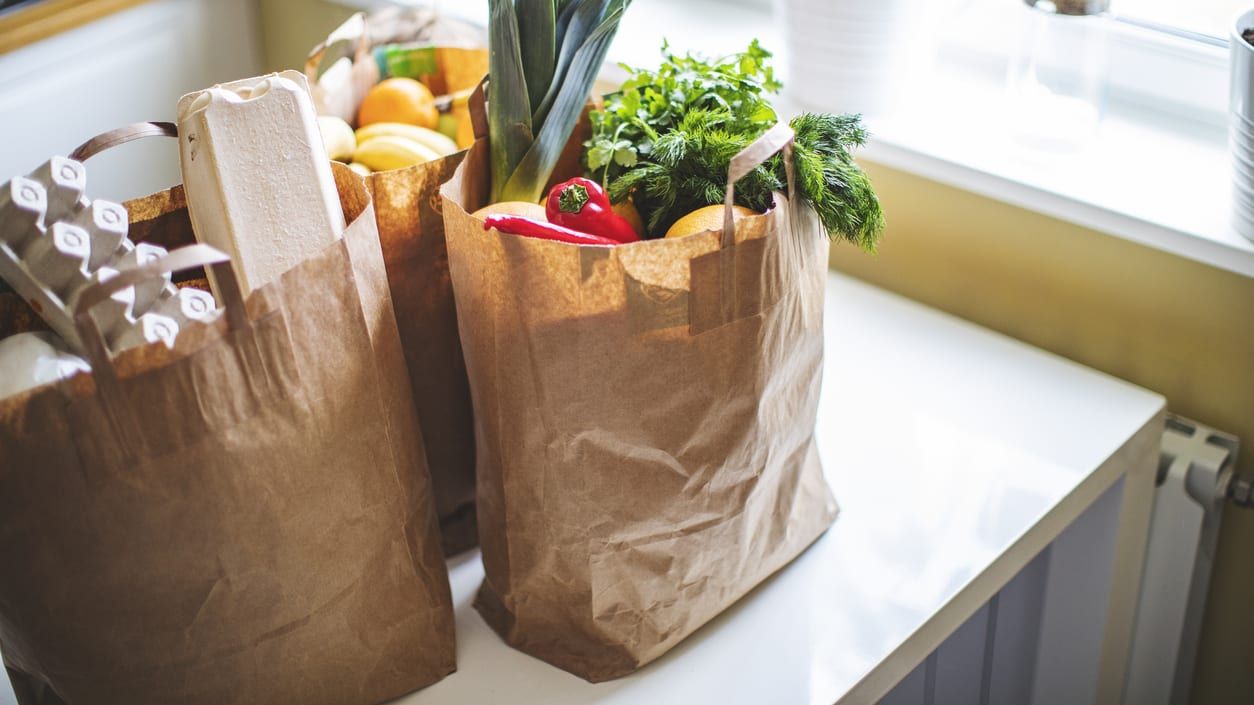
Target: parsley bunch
(667, 137)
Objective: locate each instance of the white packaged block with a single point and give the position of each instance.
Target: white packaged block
(258, 181)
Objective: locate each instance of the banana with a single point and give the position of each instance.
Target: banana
(337, 137)
(436, 142)
(360, 168)
(387, 152)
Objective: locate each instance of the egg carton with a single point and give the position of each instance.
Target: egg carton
(55, 243)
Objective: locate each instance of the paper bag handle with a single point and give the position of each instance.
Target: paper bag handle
(122, 135)
(181, 259)
(780, 137)
(189, 257)
(356, 26)
(477, 103)
(108, 386)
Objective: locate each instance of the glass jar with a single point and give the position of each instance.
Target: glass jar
(1056, 82)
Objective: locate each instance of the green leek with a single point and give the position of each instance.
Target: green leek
(544, 56)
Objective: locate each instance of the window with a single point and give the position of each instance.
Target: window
(1207, 18)
(1167, 57)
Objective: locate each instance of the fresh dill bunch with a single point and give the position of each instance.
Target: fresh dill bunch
(829, 180)
(668, 136)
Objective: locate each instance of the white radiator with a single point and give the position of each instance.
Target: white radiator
(1038, 641)
(1194, 479)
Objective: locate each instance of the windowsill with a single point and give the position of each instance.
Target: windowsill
(1159, 181)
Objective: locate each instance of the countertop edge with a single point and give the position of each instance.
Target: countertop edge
(882, 677)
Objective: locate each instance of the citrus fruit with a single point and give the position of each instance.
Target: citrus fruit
(626, 210)
(399, 100)
(703, 219)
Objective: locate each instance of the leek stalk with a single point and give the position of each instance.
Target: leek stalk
(544, 56)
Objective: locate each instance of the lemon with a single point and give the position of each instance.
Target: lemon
(707, 218)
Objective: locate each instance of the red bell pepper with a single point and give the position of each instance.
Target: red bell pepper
(581, 204)
(518, 225)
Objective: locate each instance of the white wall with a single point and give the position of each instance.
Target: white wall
(129, 67)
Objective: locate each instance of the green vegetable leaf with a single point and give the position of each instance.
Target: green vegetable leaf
(527, 182)
(599, 154)
(584, 18)
(624, 153)
(625, 156)
(681, 125)
(543, 56)
(537, 30)
(509, 110)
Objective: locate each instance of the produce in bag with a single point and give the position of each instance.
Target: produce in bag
(241, 518)
(404, 165)
(644, 411)
(408, 74)
(665, 139)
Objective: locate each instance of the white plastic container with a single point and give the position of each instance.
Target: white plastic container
(1241, 124)
(854, 55)
(1056, 82)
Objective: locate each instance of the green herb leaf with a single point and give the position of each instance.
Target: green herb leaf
(687, 119)
(599, 154)
(625, 155)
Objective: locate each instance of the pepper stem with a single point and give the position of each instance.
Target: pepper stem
(572, 199)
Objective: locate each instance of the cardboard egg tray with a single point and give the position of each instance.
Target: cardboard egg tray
(55, 242)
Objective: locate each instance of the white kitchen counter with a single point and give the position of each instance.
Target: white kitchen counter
(957, 456)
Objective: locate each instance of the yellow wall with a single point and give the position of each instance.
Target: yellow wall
(1183, 329)
(290, 28)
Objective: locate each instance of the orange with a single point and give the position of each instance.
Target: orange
(626, 210)
(703, 219)
(399, 100)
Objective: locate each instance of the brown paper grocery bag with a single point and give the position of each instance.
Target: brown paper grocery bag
(644, 418)
(411, 231)
(244, 519)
